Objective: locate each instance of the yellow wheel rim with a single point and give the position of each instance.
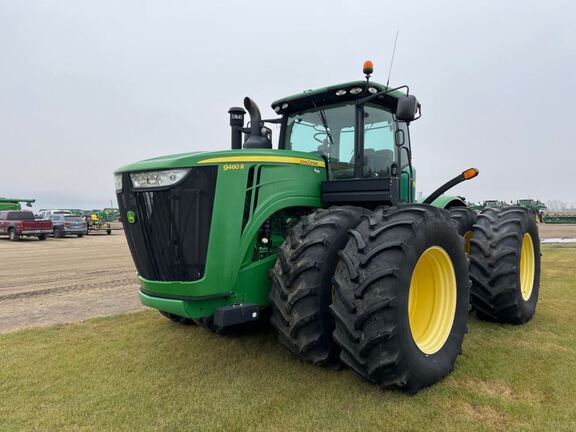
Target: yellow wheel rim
(467, 238)
(432, 300)
(527, 267)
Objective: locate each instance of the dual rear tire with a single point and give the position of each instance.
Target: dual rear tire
(505, 265)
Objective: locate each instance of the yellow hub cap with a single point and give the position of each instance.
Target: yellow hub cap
(432, 300)
(527, 267)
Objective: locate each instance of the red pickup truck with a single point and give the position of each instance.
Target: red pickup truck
(19, 223)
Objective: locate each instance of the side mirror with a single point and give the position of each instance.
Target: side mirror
(407, 108)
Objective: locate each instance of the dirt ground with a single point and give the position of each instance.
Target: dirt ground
(557, 231)
(65, 280)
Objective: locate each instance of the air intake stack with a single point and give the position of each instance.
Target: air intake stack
(236, 126)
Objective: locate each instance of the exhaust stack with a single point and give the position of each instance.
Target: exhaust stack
(255, 139)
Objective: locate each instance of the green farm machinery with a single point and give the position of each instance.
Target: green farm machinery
(325, 233)
(15, 203)
(559, 217)
(98, 220)
(536, 207)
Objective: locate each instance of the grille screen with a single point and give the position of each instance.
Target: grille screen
(169, 239)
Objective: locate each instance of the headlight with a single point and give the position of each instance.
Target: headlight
(118, 181)
(151, 179)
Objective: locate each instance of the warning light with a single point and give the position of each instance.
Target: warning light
(470, 173)
(368, 68)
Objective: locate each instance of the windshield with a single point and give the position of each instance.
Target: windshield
(73, 218)
(329, 131)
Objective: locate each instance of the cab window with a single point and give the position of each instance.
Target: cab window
(329, 131)
(379, 146)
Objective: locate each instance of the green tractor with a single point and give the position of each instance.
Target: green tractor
(325, 234)
(494, 204)
(536, 207)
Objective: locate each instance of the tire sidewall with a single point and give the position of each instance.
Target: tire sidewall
(427, 367)
(528, 307)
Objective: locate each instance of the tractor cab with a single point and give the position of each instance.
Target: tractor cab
(360, 129)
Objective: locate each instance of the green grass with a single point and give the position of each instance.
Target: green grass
(140, 372)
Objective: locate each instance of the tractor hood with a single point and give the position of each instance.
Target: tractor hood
(187, 160)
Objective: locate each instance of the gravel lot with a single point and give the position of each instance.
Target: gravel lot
(557, 231)
(65, 280)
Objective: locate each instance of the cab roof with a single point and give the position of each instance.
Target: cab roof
(327, 95)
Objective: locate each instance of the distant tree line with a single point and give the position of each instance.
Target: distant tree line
(557, 205)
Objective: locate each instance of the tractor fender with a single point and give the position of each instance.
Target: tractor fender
(447, 201)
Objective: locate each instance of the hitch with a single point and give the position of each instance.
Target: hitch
(225, 316)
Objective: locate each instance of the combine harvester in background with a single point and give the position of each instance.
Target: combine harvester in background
(536, 207)
(559, 217)
(14, 203)
(326, 231)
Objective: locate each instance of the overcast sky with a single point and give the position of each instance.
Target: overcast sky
(88, 86)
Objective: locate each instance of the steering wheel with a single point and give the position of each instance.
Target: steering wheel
(323, 141)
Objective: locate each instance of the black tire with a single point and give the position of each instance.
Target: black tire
(58, 233)
(80, 235)
(42, 237)
(177, 318)
(301, 283)
(495, 265)
(373, 280)
(13, 235)
(463, 220)
(108, 231)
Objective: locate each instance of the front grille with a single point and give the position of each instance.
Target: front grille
(169, 238)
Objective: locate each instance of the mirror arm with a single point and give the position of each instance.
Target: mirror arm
(380, 94)
(275, 121)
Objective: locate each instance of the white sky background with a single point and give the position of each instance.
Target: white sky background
(88, 86)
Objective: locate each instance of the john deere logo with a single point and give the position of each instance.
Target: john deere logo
(131, 217)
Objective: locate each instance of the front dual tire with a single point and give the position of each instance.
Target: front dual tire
(402, 294)
(398, 296)
(301, 290)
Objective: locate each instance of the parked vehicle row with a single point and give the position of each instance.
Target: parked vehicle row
(22, 223)
(92, 222)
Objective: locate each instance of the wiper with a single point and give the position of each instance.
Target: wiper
(324, 123)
